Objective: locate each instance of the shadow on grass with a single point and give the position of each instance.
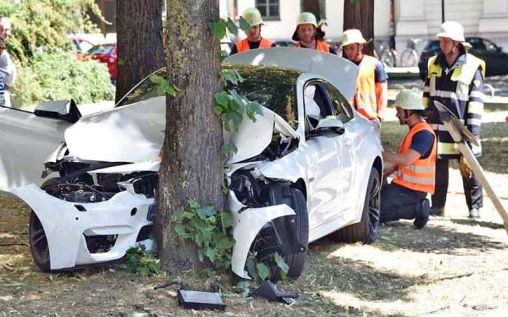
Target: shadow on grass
(433, 239)
(472, 222)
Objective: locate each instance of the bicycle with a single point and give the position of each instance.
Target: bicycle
(385, 54)
(409, 56)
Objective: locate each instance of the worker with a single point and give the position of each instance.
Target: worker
(455, 78)
(414, 165)
(254, 39)
(7, 67)
(309, 35)
(371, 96)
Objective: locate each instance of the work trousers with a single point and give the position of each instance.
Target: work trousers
(399, 202)
(472, 188)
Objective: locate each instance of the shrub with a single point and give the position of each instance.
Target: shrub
(57, 75)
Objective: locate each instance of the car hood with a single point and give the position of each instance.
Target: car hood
(337, 70)
(132, 133)
(253, 137)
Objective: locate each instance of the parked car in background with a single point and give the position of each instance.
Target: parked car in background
(308, 166)
(493, 55)
(105, 53)
(80, 45)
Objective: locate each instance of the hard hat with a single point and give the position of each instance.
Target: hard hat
(352, 36)
(454, 31)
(252, 16)
(409, 100)
(306, 18)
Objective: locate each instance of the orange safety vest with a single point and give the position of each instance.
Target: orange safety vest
(243, 45)
(368, 98)
(421, 174)
(320, 46)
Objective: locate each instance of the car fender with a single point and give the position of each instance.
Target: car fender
(247, 224)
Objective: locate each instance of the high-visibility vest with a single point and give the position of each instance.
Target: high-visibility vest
(320, 46)
(368, 96)
(463, 76)
(243, 45)
(421, 174)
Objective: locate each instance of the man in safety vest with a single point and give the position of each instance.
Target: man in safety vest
(455, 78)
(414, 165)
(309, 35)
(254, 39)
(371, 94)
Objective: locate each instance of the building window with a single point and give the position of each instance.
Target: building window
(269, 9)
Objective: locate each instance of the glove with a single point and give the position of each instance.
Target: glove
(465, 169)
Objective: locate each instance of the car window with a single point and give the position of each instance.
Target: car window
(490, 45)
(146, 89)
(101, 49)
(476, 43)
(342, 108)
(316, 104)
(432, 46)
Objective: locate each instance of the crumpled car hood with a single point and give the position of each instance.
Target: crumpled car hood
(253, 137)
(133, 133)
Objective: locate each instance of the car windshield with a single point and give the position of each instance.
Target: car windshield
(101, 49)
(432, 46)
(146, 89)
(272, 87)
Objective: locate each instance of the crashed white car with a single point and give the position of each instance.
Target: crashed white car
(308, 166)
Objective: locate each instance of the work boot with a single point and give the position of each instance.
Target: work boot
(422, 214)
(474, 213)
(437, 211)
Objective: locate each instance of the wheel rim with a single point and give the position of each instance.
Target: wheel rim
(374, 205)
(39, 242)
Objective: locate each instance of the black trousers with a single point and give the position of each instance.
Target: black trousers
(399, 202)
(472, 188)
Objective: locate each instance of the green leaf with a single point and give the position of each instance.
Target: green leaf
(226, 221)
(219, 29)
(193, 204)
(206, 211)
(163, 85)
(180, 230)
(280, 262)
(229, 148)
(222, 98)
(244, 25)
(232, 28)
(263, 271)
(211, 254)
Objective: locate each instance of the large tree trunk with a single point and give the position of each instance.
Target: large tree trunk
(139, 42)
(360, 15)
(192, 159)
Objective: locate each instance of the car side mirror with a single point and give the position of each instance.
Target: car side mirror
(331, 123)
(65, 110)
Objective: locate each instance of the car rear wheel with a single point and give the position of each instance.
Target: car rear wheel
(38, 243)
(367, 230)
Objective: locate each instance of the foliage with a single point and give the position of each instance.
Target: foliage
(42, 23)
(163, 86)
(57, 75)
(209, 229)
(262, 270)
(140, 262)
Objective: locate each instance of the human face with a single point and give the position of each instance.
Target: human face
(353, 51)
(401, 115)
(306, 32)
(447, 45)
(254, 33)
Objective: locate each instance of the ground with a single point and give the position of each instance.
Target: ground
(453, 267)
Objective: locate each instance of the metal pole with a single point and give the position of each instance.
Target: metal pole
(442, 12)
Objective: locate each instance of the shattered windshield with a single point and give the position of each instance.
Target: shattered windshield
(146, 89)
(271, 87)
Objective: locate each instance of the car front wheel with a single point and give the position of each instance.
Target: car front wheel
(367, 230)
(38, 243)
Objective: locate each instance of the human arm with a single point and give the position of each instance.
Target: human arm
(381, 86)
(474, 108)
(421, 146)
(7, 69)
(402, 158)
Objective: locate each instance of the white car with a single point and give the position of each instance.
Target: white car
(308, 166)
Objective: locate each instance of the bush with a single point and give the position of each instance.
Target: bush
(57, 75)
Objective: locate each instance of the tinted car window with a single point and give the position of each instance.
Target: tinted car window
(490, 45)
(101, 49)
(146, 89)
(476, 43)
(432, 46)
(342, 107)
(273, 88)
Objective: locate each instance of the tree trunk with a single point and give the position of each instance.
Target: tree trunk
(312, 6)
(139, 42)
(192, 156)
(360, 15)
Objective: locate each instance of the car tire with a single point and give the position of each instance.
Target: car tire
(265, 245)
(367, 230)
(38, 243)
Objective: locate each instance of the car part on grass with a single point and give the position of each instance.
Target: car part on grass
(200, 300)
(269, 291)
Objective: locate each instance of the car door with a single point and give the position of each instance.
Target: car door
(324, 149)
(496, 59)
(26, 142)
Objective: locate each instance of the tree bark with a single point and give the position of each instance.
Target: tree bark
(139, 42)
(360, 15)
(192, 156)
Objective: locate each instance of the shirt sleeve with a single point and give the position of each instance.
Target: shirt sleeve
(7, 69)
(422, 143)
(380, 73)
(474, 106)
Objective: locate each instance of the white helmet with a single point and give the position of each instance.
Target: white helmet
(453, 30)
(352, 36)
(409, 99)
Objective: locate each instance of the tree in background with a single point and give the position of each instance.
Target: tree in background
(192, 154)
(359, 14)
(139, 42)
